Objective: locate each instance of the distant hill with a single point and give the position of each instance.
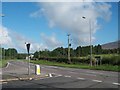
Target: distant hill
(111, 45)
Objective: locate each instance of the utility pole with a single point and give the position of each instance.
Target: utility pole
(69, 60)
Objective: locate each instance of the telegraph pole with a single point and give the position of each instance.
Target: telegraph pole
(69, 60)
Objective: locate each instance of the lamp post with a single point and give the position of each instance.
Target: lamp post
(28, 49)
(90, 40)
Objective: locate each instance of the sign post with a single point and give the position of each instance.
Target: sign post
(28, 49)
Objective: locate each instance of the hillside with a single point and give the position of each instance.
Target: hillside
(111, 45)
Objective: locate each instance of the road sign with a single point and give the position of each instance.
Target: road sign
(28, 47)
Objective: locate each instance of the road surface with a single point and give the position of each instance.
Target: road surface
(61, 77)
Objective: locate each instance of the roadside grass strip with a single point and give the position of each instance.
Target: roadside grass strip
(116, 84)
(97, 81)
(81, 66)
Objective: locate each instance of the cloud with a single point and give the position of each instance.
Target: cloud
(51, 41)
(68, 17)
(37, 47)
(12, 39)
(20, 40)
(5, 38)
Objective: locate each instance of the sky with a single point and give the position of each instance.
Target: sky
(46, 24)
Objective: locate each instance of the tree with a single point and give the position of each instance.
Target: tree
(36, 54)
(11, 53)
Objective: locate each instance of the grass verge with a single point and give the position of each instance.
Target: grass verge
(80, 66)
(3, 63)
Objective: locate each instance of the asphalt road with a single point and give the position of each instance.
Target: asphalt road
(61, 77)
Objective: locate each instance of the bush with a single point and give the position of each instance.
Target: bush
(112, 60)
(109, 59)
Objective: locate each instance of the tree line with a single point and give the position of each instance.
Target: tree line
(80, 51)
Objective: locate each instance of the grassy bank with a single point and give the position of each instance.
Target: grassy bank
(3, 63)
(105, 67)
(81, 66)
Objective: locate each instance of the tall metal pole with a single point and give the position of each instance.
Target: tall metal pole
(69, 48)
(90, 43)
(90, 40)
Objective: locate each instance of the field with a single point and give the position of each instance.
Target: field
(81, 66)
(110, 59)
(3, 63)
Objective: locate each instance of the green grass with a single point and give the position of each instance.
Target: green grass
(80, 66)
(3, 63)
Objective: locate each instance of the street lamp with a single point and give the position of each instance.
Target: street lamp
(90, 40)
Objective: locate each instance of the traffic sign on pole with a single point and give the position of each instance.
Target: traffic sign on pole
(28, 49)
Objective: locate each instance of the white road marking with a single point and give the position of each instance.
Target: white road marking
(72, 72)
(89, 74)
(67, 76)
(7, 65)
(83, 74)
(116, 83)
(94, 72)
(81, 78)
(59, 75)
(3, 82)
(96, 80)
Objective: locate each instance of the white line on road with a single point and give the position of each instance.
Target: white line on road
(81, 78)
(116, 83)
(59, 75)
(67, 76)
(89, 74)
(7, 65)
(72, 72)
(83, 74)
(96, 80)
(94, 72)
(3, 82)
